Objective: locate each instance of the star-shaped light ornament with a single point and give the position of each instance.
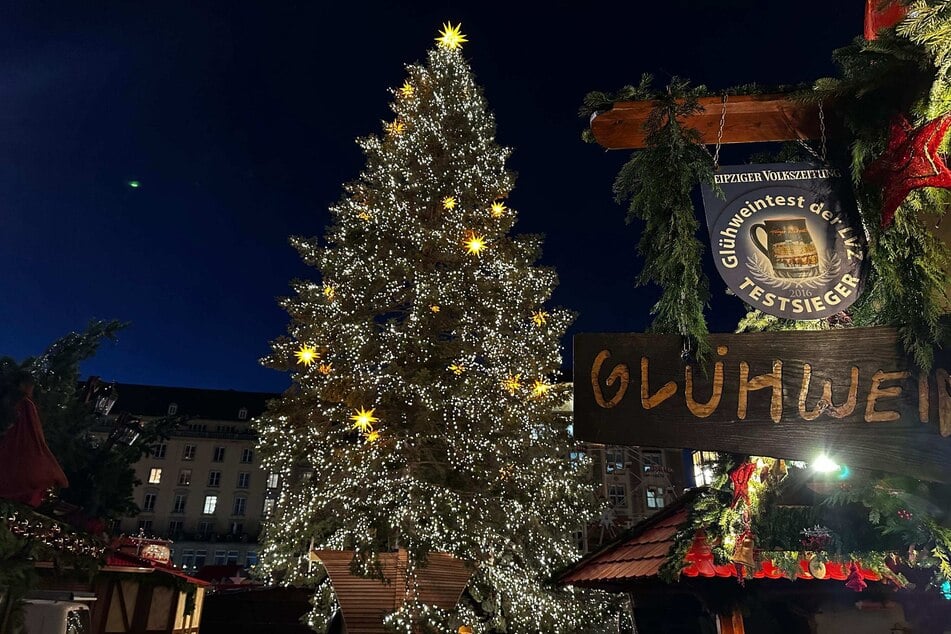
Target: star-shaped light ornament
(434, 308)
(407, 89)
(363, 420)
(512, 384)
(540, 388)
(457, 369)
(911, 161)
(475, 244)
(449, 203)
(325, 368)
(451, 37)
(396, 128)
(540, 318)
(372, 436)
(329, 292)
(498, 209)
(306, 355)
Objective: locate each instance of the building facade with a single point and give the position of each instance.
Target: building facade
(203, 488)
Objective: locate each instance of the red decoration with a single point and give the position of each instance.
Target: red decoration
(904, 514)
(910, 161)
(740, 476)
(882, 14)
(855, 581)
(27, 467)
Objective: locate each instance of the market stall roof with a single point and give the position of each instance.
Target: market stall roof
(640, 553)
(117, 561)
(744, 119)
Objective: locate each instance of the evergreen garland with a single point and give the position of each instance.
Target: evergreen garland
(657, 182)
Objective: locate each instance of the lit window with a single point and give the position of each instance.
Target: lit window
(158, 451)
(214, 478)
(653, 461)
(244, 480)
(149, 502)
(703, 463)
(243, 413)
(247, 455)
(268, 507)
(189, 453)
(155, 476)
(613, 459)
(219, 454)
(179, 506)
(185, 477)
(251, 559)
(219, 558)
(272, 480)
(655, 497)
(200, 557)
(211, 501)
(188, 558)
(240, 504)
(172, 409)
(617, 495)
(232, 558)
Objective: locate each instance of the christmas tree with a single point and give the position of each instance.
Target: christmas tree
(422, 412)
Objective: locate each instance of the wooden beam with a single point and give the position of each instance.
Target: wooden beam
(749, 119)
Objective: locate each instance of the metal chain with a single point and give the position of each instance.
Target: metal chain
(821, 155)
(716, 152)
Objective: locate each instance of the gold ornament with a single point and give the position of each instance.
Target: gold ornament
(324, 368)
(407, 89)
(396, 128)
(540, 388)
(434, 308)
(306, 355)
(363, 420)
(329, 292)
(513, 383)
(474, 243)
(449, 203)
(457, 369)
(744, 552)
(540, 318)
(451, 37)
(498, 209)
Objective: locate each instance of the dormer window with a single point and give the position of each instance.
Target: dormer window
(172, 409)
(243, 413)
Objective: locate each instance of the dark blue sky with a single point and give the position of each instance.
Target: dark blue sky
(238, 119)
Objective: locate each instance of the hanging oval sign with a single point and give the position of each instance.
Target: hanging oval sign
(785, 239)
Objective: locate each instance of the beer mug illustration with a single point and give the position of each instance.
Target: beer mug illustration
(788, 246)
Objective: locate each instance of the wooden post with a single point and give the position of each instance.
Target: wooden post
(731, 623)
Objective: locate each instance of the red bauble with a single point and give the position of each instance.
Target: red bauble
(910, 161)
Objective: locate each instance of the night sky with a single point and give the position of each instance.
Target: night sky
(238, 120)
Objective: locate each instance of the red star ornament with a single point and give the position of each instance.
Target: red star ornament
(911, 161)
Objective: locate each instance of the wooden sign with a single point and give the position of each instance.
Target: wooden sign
(849, 393)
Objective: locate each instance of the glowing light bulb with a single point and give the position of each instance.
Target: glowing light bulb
(824, 464)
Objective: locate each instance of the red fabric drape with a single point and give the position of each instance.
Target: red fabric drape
(881, 15)
(27, 466)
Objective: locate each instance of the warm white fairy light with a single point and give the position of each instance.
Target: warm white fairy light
(415, 307)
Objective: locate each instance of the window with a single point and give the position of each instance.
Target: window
(155, 476)
(268, 507)
(206, 528)
(172, 409)
(179, 506)
(158, 451)
(247, 455)
(613, 459)
(145, 525)
(174, 527)
(188, 558)
(115, 526)
(237, 528)
(219, 454)
(244, 479)
(189, 453)
(251, 559)
(184, 477)
(243, 413)
(214, 478)
(272, 479)
(220, 558)
(211, 501)
(240, 504)
(655, 497)
(703, 462)
(200, 557)
(653, 461)
(617, 494)
(149, 503)
(232, 558)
